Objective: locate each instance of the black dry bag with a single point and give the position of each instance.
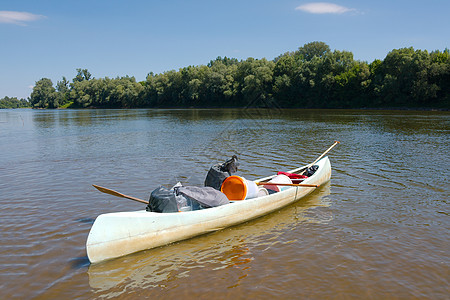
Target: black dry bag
(219, 172)
(162, 200)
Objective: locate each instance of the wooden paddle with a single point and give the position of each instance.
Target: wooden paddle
(323, 154)
(288, 184)
(114, 193)
(301, 169)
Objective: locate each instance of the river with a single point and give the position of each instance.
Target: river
(378, 230)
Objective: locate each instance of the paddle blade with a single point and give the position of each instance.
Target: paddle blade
(117, 194)
(107, 191)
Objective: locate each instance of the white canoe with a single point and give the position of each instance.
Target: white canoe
(117, 234)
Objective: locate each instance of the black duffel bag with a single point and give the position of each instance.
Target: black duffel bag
(162, 200)
(219, 172)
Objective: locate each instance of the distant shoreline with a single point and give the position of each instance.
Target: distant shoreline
(268, 108)
(313, 77)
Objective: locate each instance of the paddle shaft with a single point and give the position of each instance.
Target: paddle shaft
(114, 193)
(288, 184)
(323, 154)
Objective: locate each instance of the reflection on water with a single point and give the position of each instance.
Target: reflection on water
(228, 248)
(379, 230)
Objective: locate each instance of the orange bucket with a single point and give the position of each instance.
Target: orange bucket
(238, 188)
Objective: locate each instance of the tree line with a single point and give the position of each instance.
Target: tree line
(313, 76)
(13, 102)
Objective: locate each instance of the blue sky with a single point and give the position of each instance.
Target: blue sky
(48, 38)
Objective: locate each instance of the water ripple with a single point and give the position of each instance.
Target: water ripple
(379, 229)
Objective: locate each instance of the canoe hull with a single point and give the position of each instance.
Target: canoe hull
(117, 234)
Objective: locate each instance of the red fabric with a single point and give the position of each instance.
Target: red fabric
(292, 175)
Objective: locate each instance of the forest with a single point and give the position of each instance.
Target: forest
(13, 102)
(313, 76)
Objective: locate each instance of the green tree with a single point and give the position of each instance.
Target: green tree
(82, 74)
(44, 94)
(313, 49)
(255, 81)
(13, 102)
(62, 89)
(412, 78)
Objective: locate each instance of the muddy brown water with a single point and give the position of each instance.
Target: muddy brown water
(378, 230)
